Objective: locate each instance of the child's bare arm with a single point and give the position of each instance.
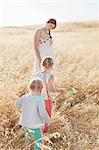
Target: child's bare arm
(52, 85)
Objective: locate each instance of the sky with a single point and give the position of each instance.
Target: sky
(30, 12)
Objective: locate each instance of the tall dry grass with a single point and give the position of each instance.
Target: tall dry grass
(76, 117)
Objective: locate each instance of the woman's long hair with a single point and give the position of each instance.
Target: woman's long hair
(53, 21)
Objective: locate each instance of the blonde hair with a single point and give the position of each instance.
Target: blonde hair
(47, 62)
(36, 84)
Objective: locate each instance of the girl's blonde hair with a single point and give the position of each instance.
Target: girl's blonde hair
(47, 62)
(36, 84)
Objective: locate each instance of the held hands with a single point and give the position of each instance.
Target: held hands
(46, 125)
(45, 128)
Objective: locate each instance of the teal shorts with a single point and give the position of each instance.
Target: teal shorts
(36, 135)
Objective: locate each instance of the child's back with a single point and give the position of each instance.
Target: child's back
(45, 77)
(34, 114)
(48, 83)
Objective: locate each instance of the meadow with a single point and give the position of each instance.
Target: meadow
(75, 117)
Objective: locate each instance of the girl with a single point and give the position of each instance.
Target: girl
(48, 83)
(34, 115)
(43, 42)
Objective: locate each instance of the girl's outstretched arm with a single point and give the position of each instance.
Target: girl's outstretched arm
(52, 84)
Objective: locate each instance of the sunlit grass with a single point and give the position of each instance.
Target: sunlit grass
(76, 117)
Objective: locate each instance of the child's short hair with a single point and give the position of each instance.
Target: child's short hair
(47, 62)
(36, 84)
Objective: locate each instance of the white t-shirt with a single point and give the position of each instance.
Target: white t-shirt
(34, 114)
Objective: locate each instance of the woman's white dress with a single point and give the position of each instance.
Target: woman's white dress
(45, 48)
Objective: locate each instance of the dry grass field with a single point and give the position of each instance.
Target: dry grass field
(74, 117)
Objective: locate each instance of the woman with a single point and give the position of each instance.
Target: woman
(43, 42)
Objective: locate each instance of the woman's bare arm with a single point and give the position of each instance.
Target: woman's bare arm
(36, 44)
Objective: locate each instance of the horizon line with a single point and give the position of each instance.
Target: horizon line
(39, 24)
